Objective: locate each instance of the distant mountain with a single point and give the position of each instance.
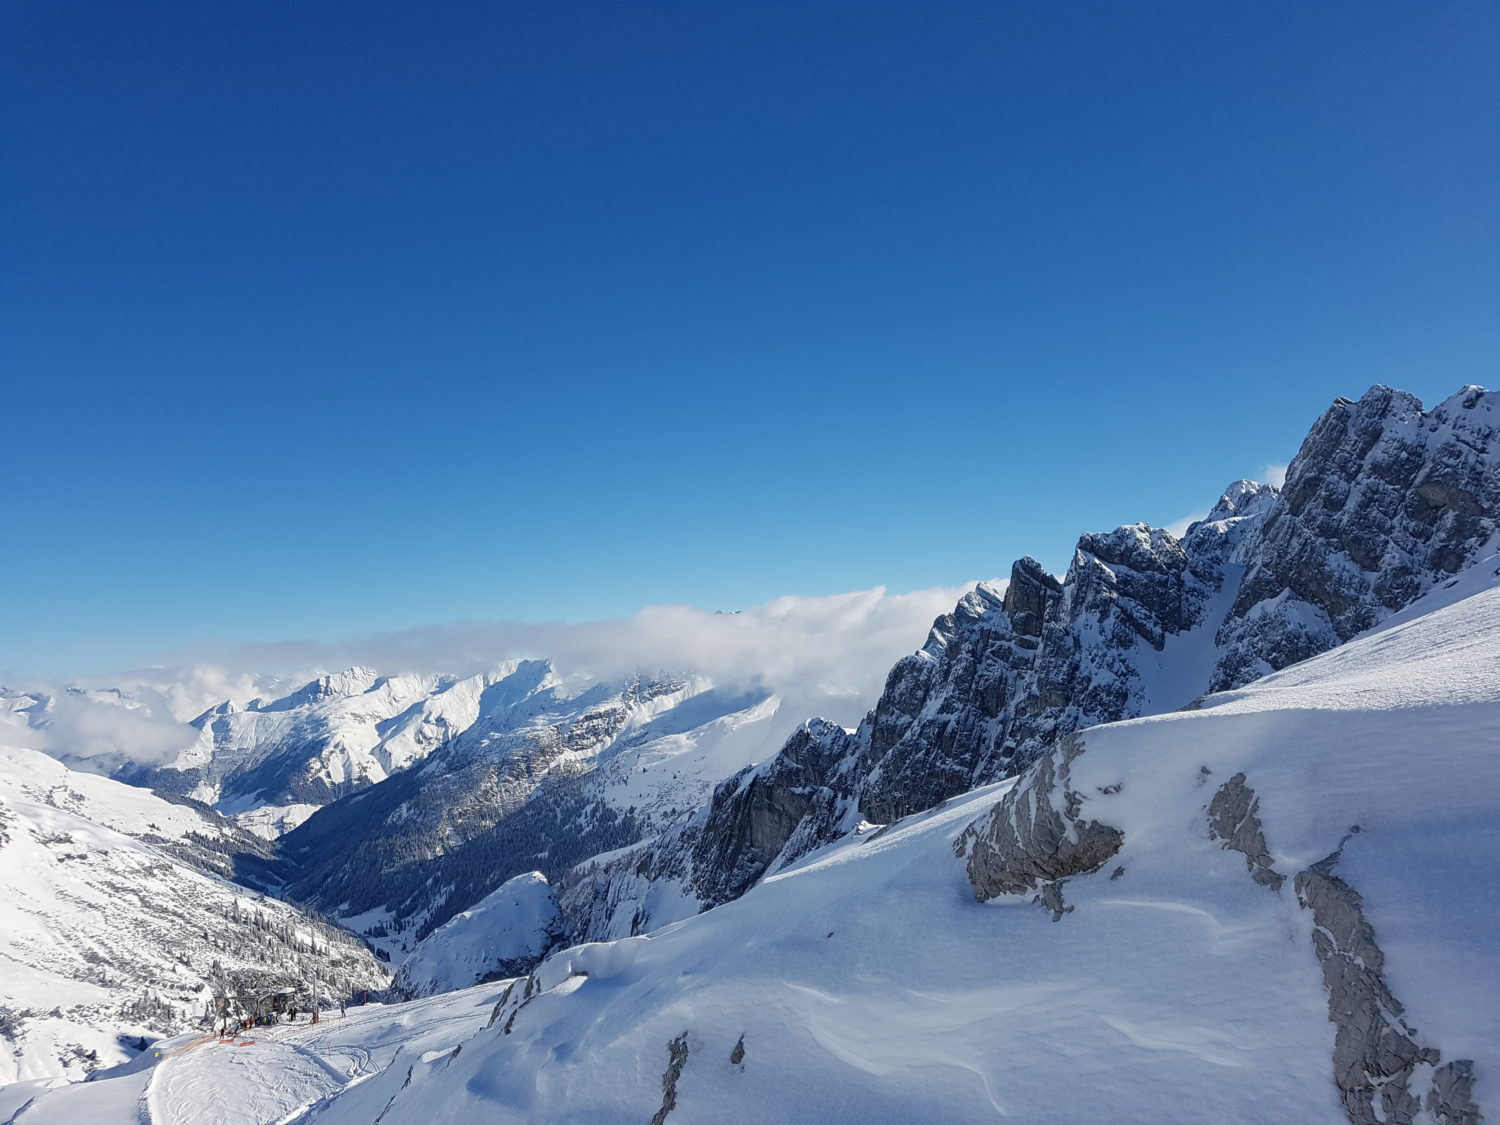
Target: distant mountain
(552, 772)
(427, 793)
(273, 762)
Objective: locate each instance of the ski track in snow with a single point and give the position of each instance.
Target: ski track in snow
(283, 1075)
(273, 1075)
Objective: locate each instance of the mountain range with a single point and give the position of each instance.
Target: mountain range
(1166, 709)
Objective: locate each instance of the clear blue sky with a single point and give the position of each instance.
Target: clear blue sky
(324, 318)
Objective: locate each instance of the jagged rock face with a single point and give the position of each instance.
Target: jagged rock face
(756, 813)
(1125, 591)
(1036, 837)
(1383, 501)
(938, 727)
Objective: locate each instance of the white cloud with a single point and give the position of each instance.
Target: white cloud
(843, 643)
(106, 728)
(1274, 474)
(833, 648)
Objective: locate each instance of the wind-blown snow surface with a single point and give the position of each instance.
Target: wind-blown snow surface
(867, 984)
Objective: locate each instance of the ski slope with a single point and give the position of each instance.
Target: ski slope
(262, 1077)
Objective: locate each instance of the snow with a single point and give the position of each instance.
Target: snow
(516, 922)
(266, 1077)
(270, 821)
(109, 935)
(865, 984)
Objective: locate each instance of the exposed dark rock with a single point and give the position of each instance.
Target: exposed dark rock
(1378, 1064)
(1029, 596)
(939, 726)
(757, 813)
(737, 1056)
(516, 996)
(1233, 817)
(677, 1056)
(1051, 899)
(1035, 837)
(1451, 1098)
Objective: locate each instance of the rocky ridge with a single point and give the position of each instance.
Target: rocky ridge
(1384, 501)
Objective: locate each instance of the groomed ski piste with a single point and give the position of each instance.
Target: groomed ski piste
(265, 1074)
(866, 984)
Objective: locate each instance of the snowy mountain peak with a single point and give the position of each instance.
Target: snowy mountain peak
(1240, 500)
(351, 681)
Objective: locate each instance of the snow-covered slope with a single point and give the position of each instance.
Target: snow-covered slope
(502, 935)
(117, 927)
(1278, 906)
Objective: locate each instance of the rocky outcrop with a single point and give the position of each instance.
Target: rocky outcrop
(1379, 1066)
(1234, 819)
(939, 727)
(782, 811)
(1037, 837)
(677, 1057)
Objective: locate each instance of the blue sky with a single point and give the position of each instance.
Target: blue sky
(323, 319)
